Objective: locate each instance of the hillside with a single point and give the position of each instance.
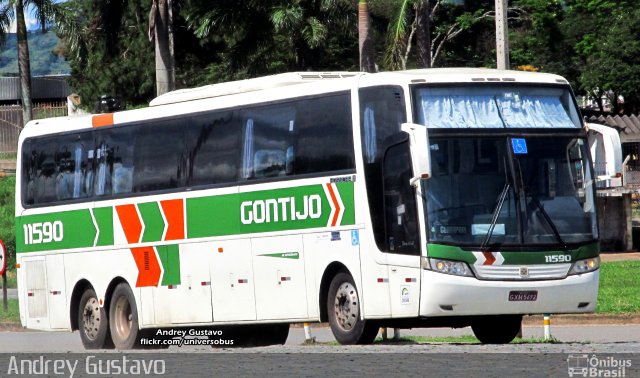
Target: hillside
(41, 52)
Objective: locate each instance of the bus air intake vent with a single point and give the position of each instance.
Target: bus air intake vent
(522, 272)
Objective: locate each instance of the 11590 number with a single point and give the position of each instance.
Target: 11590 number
(557, 258)
(45, 232)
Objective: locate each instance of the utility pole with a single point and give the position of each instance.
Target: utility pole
(502, 36)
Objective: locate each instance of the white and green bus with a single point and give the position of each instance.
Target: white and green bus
(426, 198)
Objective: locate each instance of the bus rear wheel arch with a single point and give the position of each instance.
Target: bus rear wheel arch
(343, 310)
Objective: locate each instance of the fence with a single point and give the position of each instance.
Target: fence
(11, 125)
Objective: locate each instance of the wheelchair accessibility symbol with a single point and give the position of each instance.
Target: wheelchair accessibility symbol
(355, 239)
(519, 145)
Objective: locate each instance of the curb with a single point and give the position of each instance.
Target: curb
(594, 319)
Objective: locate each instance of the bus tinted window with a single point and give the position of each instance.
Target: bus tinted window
(324, 140)
(309, 136)
(213, 148)
(56, 169)
(114, 167)
(302, 137)
(159, 156)
(268, 142)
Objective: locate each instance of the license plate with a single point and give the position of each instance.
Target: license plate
(523, 296)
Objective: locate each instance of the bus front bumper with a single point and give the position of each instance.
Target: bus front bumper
(449, 295)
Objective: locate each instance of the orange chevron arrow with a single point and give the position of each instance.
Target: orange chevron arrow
(336, 205)
(174, 212)
(130, 222)
(148, 266)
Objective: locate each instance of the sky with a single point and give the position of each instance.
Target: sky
(32, 22)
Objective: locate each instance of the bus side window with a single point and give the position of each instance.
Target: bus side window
(268, 138)
(46, 170)
(213, 148)
(324, 136)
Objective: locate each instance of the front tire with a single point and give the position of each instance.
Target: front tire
(123, 318)
(343, 308)
(501, 329)
(93, 323)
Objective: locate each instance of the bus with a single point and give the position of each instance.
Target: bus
(419, 198)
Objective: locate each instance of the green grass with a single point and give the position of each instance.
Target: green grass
(12, 315)
(619, 288)
(11, 279)
(465, 339)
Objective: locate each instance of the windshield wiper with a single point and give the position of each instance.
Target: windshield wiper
(549, 221)
(495, 216)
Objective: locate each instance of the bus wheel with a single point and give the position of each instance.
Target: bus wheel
(275, 334)
(500, 329)
(343, 308)
(123, 318)
(93, 323)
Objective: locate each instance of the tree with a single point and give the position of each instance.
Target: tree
(613, 64)
(159, 32)
(47, 12)
(537, 38)
(422, 18)
(110, 54)
(366, 47)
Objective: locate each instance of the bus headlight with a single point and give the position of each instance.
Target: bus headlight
(456, 268)
(585, 266)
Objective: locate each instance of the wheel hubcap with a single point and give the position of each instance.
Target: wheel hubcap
(91, 318)
(123, 318)
(346, 306)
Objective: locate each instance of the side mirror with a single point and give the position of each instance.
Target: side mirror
(420, 152)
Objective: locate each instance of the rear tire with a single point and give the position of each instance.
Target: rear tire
(93, 323)
(123, 318)
(343, 309)
(500, 329)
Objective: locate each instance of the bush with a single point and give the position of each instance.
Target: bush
(7, 218)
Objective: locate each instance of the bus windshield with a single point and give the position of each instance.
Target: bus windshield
(488, 191)
(496, 106)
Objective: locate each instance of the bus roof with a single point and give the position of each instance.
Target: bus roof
(434, 75)
(279, 87)
(248, 85)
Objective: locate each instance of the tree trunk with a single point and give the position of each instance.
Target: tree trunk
(24, 67)
(164, 63)
(423, 35)
(367, 51)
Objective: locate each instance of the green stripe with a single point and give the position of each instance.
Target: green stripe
(78, 231)
(170, 260)
(104, 219)
(287, 209)
(512, 257)
(283, 255)
(153, 222)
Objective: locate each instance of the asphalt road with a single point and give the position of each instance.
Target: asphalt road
(604, 338)
(610, 346)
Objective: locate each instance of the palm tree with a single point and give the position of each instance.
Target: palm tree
(308, 26)
(160, 32)
(365, 42)
(45, 10)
